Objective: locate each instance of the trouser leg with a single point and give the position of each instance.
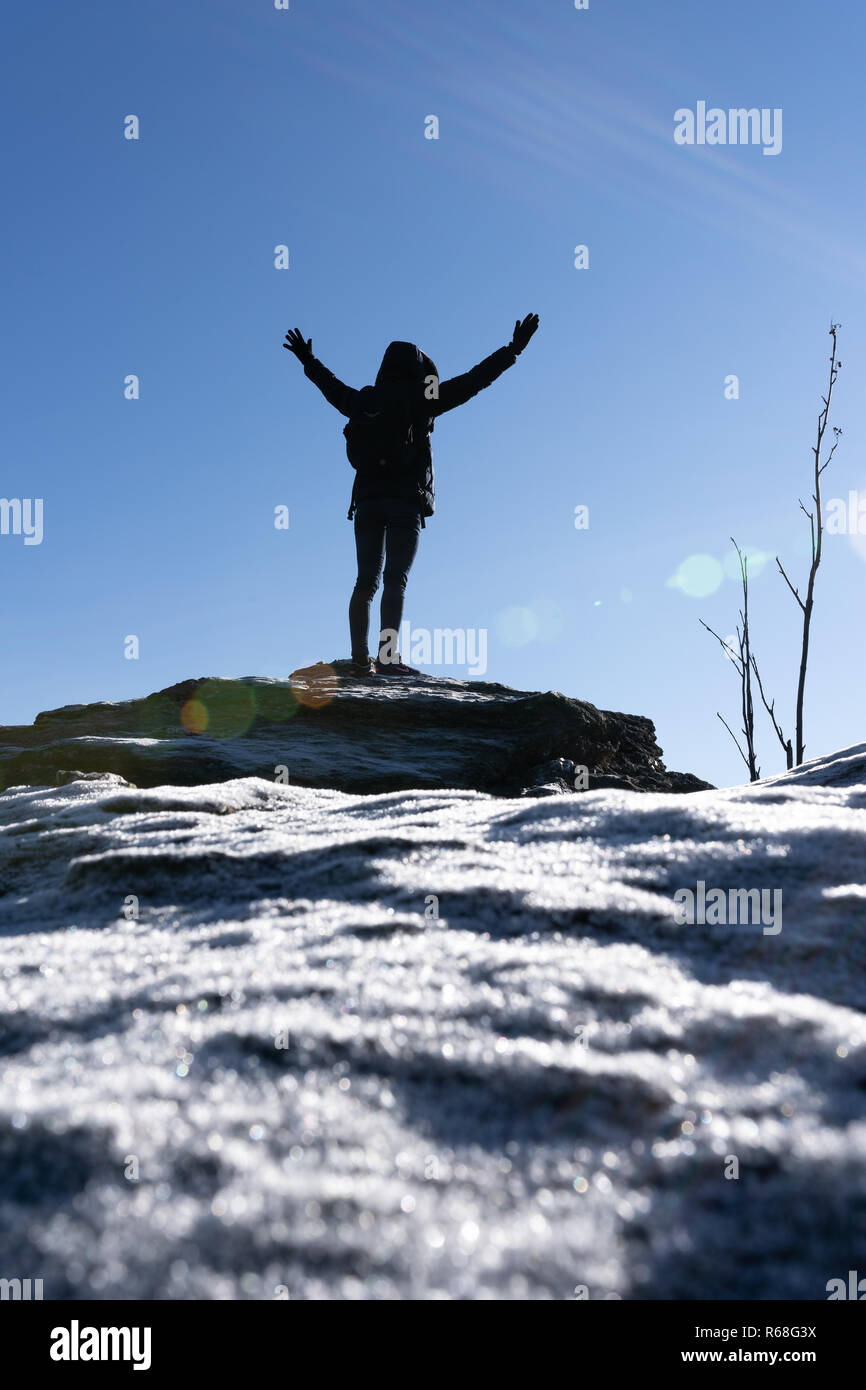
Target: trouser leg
(401, 538)
(370, 547)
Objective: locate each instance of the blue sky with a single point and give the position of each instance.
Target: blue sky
(306, 127)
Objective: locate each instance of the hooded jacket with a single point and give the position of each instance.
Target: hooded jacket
(409, 374)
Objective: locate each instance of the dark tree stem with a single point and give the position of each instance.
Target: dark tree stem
(816, 528)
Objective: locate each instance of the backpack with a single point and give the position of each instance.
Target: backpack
(380, 440)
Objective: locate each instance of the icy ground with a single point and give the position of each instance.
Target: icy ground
(537, 1090)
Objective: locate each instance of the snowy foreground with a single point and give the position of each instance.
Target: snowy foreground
(288, 1077)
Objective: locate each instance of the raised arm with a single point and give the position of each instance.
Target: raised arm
(460, 389)
(336, 392)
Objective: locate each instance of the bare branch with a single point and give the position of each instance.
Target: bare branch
(771, 710)
(726, 647)
(742, 665)
(795, 592)
(734, 737)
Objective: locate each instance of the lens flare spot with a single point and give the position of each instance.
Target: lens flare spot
(697, 576)
(517, 626)
(315, 691)
(549, 620)
(193, 717)
(276, 703)
(222, 709)
(756, 557)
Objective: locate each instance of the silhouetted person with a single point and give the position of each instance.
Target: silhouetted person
(388, 444)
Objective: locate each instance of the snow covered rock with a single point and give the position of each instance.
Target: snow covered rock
(323, 728)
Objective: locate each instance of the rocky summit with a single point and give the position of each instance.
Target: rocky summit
(323, 727)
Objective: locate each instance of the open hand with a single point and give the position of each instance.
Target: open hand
(524, 331)
(295, 343)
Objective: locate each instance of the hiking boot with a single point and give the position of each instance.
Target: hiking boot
(395, 668)
(363, 668)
